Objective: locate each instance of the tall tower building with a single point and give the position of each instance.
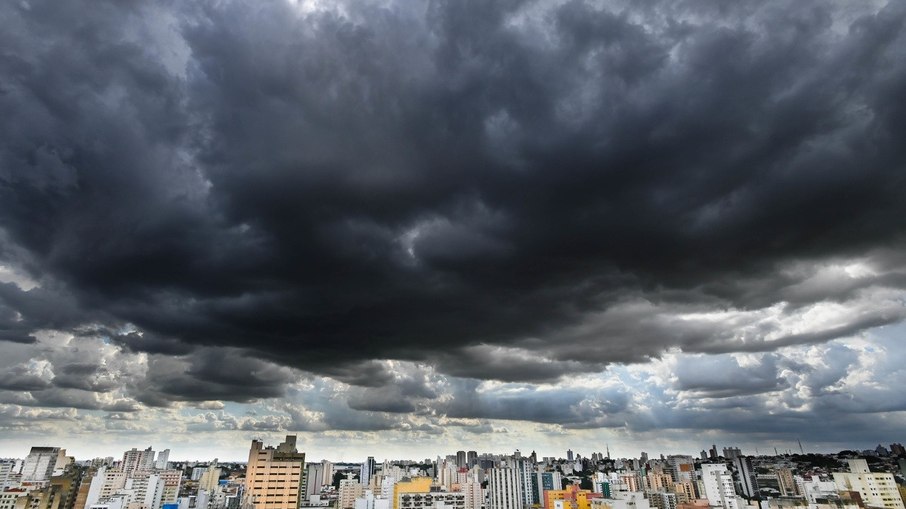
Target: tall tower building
(313, 478)
(41, 462)
(274, 476)
(367, 471)
(746, 476)
(504, 489)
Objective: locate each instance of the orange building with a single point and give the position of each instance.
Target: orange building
(570, 498)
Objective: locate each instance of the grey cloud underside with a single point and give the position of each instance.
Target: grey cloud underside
(504, 190)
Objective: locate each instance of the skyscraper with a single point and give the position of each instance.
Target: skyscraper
(274, 476)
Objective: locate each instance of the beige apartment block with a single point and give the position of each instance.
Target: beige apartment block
(273, 478)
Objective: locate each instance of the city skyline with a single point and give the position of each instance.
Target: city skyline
(388, 226)
(430, 455)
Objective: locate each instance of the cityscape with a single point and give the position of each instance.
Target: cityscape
(279, 477)
(452, 254)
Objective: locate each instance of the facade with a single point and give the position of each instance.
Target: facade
(350, 489)
(662, 500)
(209, 478)
(432, 500)
(504, 489)
(747, 483)
(163, 460)
(137, 461)
(410, 486)
(312, 482)
(10, 496)
(274, 476)
(719, 487)
(876, 489)
(369, 468)
(544, 481)
(570, 498)
(41, 462)
(622, 500)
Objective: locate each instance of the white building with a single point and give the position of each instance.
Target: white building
(137, 461)
(813, 490)
(622, 500)
(876, 489)
(504, 489)
(9, 497)
(163, 460)
(474, 495)
(41, 462)
(719, 487)
(350, 490)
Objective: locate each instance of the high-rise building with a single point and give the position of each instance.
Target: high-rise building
(7, 474)
(718, 486)
(274, 476)
(313, 478)
(367, 471)
(544, 481)
(137, 461)
(163, 460)
(474, 495)
(876, 489)
(504, 489)
(681, 467)
(525, 470)
(731, 453)
(41, 462)
(746, 472)
(471, 458)
(350, 489)
(172, 481)
(327, 471)
(209, 478)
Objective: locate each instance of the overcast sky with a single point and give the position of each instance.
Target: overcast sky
(403, 228)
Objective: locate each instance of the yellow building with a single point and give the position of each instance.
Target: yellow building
(413, 485)
(570, 498)
(273, 477)
(685, 492)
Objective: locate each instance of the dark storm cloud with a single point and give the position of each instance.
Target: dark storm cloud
(210, 374)
(723, 377)
(481, 186)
